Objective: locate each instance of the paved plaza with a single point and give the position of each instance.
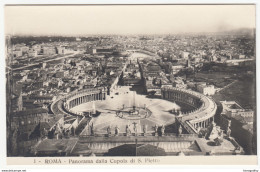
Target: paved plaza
(120, 97)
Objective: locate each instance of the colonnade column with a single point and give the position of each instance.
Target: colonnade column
(86, 98)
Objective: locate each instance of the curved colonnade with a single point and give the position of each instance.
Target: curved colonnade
(201, 116)
(64, 104)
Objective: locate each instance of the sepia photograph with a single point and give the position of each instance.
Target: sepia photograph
(148, 81)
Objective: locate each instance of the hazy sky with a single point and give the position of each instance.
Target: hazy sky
(122, 19)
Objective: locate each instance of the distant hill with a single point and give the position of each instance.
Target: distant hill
(242, 31)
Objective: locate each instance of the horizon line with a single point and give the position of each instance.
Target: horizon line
(96, 34)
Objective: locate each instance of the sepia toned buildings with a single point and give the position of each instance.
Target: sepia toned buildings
(51, 79)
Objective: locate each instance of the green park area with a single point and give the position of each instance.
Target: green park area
(243, 92)
(237, 82)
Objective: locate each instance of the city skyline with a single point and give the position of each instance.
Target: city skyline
(123, 19)
(130, 80)
(100, 95)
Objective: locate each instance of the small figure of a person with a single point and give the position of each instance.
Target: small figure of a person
(127, 130)
(92, 129)
(144, 129)
(108, 131)
(116, 130)
(228, 132)
(162, 130)
(135, 128)
(155, 130)
(180, 130)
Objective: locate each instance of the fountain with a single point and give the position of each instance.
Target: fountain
(134, 112)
